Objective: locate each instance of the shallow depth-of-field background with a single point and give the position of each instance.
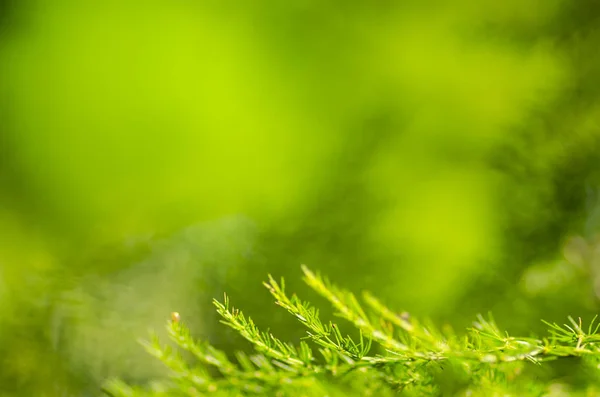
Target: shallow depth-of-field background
(154, 154)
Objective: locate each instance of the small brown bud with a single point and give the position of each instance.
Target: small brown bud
(175, 317)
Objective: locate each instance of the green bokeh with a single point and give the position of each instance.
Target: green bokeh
(154, 154)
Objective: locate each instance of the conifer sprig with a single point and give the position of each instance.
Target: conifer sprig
(407, 356)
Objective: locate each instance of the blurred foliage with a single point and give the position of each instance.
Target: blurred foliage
(154, 154)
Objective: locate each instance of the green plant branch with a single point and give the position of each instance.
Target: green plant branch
(408, 356)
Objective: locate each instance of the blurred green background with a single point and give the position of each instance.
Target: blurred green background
(154, 154)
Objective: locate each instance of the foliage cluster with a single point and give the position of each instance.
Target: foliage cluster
(390, 354)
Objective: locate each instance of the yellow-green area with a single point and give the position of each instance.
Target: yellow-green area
(154, 154)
